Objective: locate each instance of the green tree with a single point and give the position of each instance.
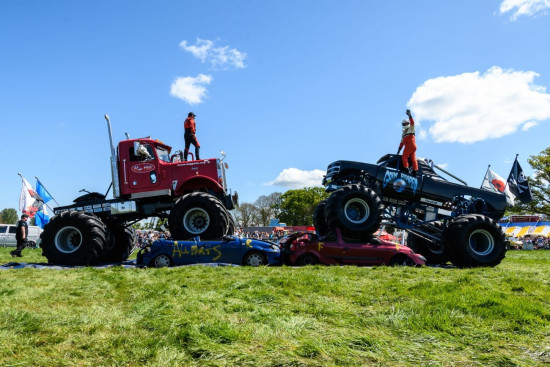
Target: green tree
(297, 206)
(8, 216)
(246, 215)
(540, 186)
(267, 207)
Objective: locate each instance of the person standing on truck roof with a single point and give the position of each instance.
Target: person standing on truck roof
(190, 137)
(409, 142)
(21, 236)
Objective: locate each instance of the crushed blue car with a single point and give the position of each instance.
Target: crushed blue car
(227, 250)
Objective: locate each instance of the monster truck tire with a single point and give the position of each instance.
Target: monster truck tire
(475, 240)
(124, 241)
(198, 214)
(319, 219)
(435, 254)
(73, 238)
(355, 209)
(232, 225)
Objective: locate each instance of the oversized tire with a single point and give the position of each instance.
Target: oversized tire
(198, 214)
(475, 240)
(73, 238)
(232, 227)
(123, 243)
(319, 219)
(254, 258)
(308, 259)
(355, 209)
(435, 253)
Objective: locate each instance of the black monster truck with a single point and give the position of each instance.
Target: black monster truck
(445, 220)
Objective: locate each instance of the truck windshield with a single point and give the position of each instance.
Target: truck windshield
(163, 154)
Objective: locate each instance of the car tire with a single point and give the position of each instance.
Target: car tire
(355, 209)
(198, 214)
(73, 238)
(402, 260)
(435, 254)
(319, 219)
(254, 258)
(161, 261)
(308, 259)
(475, 240)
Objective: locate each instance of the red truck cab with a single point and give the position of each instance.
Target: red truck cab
(146, 167)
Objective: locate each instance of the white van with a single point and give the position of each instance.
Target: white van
(7, 236)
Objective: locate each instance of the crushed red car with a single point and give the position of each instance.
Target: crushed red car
(308, 249)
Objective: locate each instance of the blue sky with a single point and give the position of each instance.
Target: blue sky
(283, 87)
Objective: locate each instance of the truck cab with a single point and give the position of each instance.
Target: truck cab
(147, 168)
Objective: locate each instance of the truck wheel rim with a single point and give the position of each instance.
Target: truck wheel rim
(162, 261)
(196, 220)
(357, 211)
(481, 242)
(68, 240)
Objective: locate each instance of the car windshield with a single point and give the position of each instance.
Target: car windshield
(163, 154)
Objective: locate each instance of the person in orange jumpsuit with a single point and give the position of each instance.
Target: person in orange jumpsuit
(190, 137)
(409, 142)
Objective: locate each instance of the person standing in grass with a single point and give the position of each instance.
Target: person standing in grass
(21, 236)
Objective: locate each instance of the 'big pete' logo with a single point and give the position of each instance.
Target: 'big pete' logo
(143, 167)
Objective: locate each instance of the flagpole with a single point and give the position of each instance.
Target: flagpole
(48, 191)
(486, 172)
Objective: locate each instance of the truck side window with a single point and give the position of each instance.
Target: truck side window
(140, 158)
(3, 229)
(13, 229)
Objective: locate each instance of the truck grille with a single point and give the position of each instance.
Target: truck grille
(333, 169)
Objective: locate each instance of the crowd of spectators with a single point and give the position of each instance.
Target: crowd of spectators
(271, 236)
(529, 242)
(145, 237)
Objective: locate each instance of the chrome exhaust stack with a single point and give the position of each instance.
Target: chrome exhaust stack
(114, 164)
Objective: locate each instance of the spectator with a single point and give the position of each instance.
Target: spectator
(21, 236)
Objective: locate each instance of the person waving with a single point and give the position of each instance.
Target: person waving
(409, 142)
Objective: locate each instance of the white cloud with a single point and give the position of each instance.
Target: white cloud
(189, 89)
(529, 125)
(219, 57)
(471, 107)
(524, 7)
(295, 178)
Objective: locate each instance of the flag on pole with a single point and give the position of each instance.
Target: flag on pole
(29, 201)
(42, 192)
(42, 218)
(519, 183)
(493, 182)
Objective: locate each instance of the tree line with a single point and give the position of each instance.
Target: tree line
(294, 207)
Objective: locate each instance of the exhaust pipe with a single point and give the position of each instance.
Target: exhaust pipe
(114, 165)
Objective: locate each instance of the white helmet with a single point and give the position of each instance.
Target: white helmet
(405, 122)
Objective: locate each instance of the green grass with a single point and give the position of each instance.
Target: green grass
(313, 316)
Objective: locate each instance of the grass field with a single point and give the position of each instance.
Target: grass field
(313, 316)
